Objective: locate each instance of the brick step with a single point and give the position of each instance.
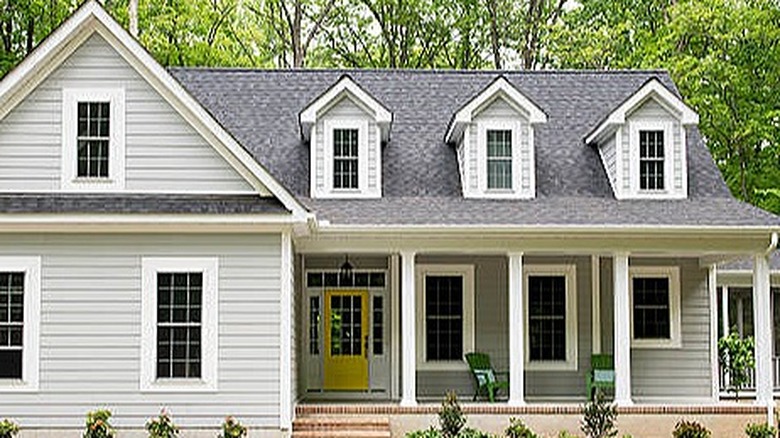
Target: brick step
(341, 433)
(341, 426)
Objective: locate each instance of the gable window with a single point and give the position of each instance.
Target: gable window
(499, 159)
(655, 295)
(551, 317)
(651, 160)
(446, 311)
(19, 322)
(345, 158)
(93, 139)
(179, 314)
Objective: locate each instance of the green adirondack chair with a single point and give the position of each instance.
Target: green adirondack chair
(601, 375)
(485, 376)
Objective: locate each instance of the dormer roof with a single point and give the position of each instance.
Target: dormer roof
(345, 87)
(499, 88)
(652, 89)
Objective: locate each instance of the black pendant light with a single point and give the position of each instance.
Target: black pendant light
(345, 272)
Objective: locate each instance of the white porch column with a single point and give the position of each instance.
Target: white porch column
(408, 336)
(516, 331)
(762, 318)
(724, 309)
(622, 339)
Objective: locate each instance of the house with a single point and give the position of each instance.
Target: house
(281, 244)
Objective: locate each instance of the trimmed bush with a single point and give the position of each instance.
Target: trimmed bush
(451, 418)
(8, 429)
(760, 431)
(690, 429)
(232, 428)
(599, 418)
(98, 425)
(518, 429)
(162, 426)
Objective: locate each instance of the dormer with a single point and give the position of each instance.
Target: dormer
(494, 136)
(642, 144)
(345, 128)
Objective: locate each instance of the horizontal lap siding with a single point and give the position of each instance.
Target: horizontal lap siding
(91, 330)
(163, 152)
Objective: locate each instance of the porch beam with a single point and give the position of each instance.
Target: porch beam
(516, 331)
(762, 315)
(408, 335)
(622, 344)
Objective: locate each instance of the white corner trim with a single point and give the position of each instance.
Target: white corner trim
(69, 180)
(569, 271)
(467, 273)
(286, 409)
(346, 85)
(31, 338)
(500, 86)
(652, 89)
(672, 273)
(363, 190)
(209, 266)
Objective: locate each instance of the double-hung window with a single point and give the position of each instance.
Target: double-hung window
(345, 158)
(446, 326)
(19, 322)
(655, 296)
(551, 337)
(499, 158)
(651, 160)
(93, 139)
(179, 341)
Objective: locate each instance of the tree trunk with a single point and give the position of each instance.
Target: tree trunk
(133, 14)
(495, 38)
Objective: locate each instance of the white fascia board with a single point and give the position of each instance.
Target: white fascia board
(514, 97)
(652, 89)
(326, 227)
(92, 18)
(345, 85)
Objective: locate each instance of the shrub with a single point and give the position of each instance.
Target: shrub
(736, 360)
(760, 431)
(162, 426)
(566, 434)
(8, 429)
(599, 418)
(98, 425)
(232, 428)
(518, 429)
(431, 432)
(451, 418)
(690, 429)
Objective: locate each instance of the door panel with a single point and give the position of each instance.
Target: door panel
(346, 340)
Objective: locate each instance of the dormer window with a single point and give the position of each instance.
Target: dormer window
(93, 139)
(345, 128)
(499, 159)
(651, 160)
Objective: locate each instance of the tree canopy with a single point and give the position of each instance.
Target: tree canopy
(724, 55)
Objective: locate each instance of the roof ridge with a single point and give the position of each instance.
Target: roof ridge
(419, 71)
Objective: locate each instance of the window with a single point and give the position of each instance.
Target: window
(499, 158)
(19, 322)
(655, 303)
(378, 336)
(345, 158)
(551, 303)
(93, 130)
(179, 317)
(314, 325)
(446, 313)
(651, 160)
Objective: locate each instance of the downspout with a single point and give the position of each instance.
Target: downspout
(772, 245)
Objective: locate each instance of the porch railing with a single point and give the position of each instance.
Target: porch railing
(751, 384)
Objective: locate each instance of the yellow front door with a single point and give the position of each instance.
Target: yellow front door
(346, 340)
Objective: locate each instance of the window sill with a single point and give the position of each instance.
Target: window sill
(180, 386)
(551, 366)
(16, 385)
(452, 365)
(656, 344)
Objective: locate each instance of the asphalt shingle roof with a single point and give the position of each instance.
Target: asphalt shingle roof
(420, 172)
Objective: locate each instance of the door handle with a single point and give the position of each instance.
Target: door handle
(366, 345)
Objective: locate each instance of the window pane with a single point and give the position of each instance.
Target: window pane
(314, 325)
(651, 308)
(444, 317)
(345, 158)
(651, 160)
(179, 298)
(93, 136)
(10, 364)
(547, 318)
(499, 159)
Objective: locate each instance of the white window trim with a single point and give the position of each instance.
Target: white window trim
(150, 266)
(329, 125)
(482, 162)
(31, 266)
(467, 272)
(116, 157)
(569, 271)
(646, 125)
(673, 274)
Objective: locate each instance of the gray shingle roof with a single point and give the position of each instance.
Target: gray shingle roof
(420, 174)
(746, 264)
(140, 204)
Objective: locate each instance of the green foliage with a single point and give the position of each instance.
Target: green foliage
(566, 434)
(98, 425)
(599, 417)
(8, 429)
(431, 432)
(232, 428)
(690, 429)
(735, 355)
(451, 418)
(518, 429)
(760, 430)
(162, 426)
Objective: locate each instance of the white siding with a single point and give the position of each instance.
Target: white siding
(163, 152)
(91, 330)
(608, 152)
